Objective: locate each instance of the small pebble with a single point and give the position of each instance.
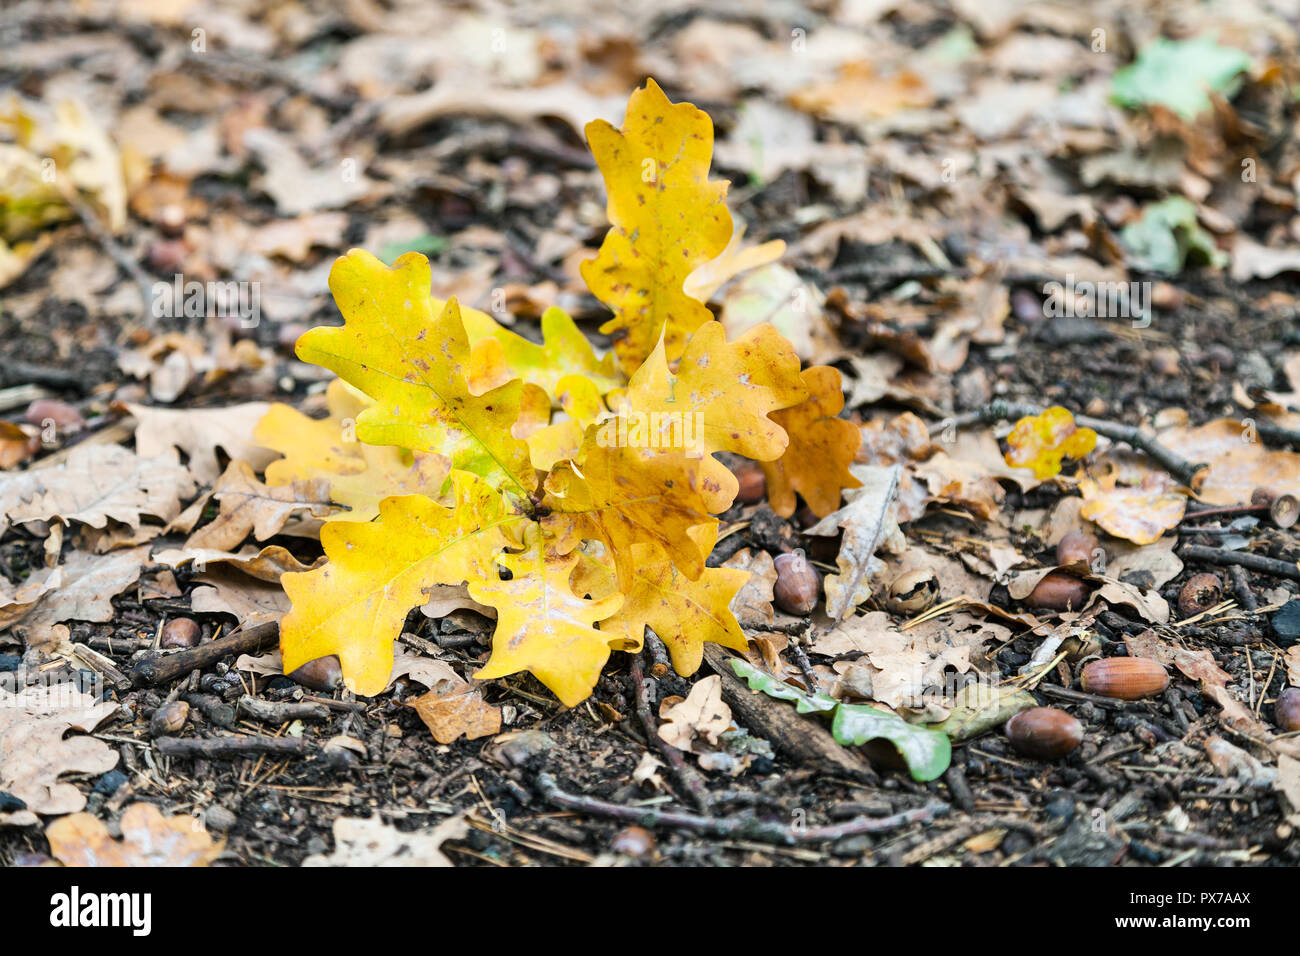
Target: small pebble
(218, 818)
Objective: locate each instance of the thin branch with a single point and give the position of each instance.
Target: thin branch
(683, 772)
(1255, 562)
(742, 826)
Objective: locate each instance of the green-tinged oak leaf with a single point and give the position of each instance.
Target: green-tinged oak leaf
(666, 219)
(544, 627)
(414, 364)
(354, 606)
(718, 399)
(684, 613)
(499, 355)
(822, 446)
(927, 752)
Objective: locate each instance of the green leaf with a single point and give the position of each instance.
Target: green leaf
(1167, 238)
(927, 752)
(1177, 74)
(426, 245)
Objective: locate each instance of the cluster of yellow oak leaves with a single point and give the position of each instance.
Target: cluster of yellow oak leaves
(458, 472)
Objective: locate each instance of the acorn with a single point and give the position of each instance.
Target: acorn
(1125, 678)
(797, 583)
(169, 718)
(1077, 547)
(753, 483)
(1200, 593)
(912, 591)
(324, 673)
(1058, 591)
(1284, 511)
(181, 632)
(1044, 732)
(1286, 709)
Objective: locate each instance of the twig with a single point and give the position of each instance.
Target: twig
(1276, 434)
(160, 668)
(1241, 587)
(1244, 559)
(742, 826)
(280, 711)
(219, 748)
(685, 774)
(1189, 473)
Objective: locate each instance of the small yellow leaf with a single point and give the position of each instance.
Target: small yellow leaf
(354, 606)
(1039, 442)
(667, 219)
(544, 627)
(822, 446)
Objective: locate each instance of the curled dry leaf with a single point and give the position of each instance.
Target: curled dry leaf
(1198, 665)
(1139, 514)
(199, 432)
(752, 604)
(701, 715)
(148, 839)
(1040, 442)
(247, 505)
(35, 753)
(90, 582)
(266, 564)
(372, 842)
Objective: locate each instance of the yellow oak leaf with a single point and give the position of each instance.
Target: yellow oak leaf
(1039, 442)
(735, 259)
(544, 627)
(354, 606)
(359, 475)
(414, 364)
(684, 613)
(499, 355)
(822, 446)
(667, 219)
(582, 406)
(718, 399)
(622, 495)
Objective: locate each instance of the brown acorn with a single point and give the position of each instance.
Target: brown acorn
(1044, 732)
(633, 841)
(1058, 591)
(753, 483)
(1200, 593)
(1286, 709)
(797, 583)
(169, 718)
(1125, 678)
(181, 632)
(324, 673)
(1077, 547)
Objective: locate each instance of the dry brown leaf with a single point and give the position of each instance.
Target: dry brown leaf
(372, 842)
(248, 505)
(752, 604)
(35, 753)
(16, 601)
(1139, 514)
(1198, 665)
(266, 564)
(1239, 462)
(199, 432)
(868, 524)
(859, 94)
(91, 581)
(223, 590)
(148, 839)
(454, 709)
(98, 483)
(700, 715)
(294, 238)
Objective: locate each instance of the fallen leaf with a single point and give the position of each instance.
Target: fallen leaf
(199, 432)
(148, 839)
(1039, 442)
(866, 523)
(822, 446)
(457, 709)
(372, 842)
(247, 505)
(700, 715)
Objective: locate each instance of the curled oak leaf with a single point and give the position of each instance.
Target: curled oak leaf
(1140, 513)
(684, 613)
(667, 219)
(415, 365)
(455, 709)
(1040, 442)
(718, 399)
(354, 606)
(544, 627)
(1239, 462)
(148, 839)
(499, 355)
(621, 496)
(822, 446)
